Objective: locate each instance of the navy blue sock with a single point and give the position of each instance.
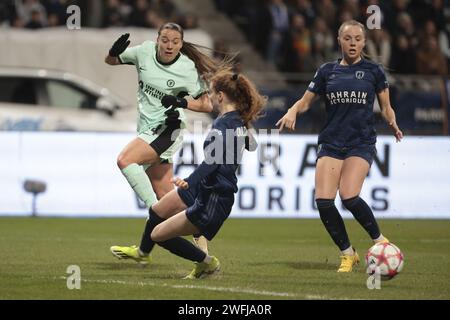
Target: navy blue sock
(183, 248)
(333, 222)
(147, 243)
(364, 215)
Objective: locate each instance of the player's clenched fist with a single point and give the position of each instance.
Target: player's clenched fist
(180, 183)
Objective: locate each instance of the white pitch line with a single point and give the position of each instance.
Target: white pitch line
(176, 286)
(210, 288)
(236, 290)
(316, 297)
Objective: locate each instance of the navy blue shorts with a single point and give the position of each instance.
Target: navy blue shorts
(188, 195)
(207, 210)
(365, 151)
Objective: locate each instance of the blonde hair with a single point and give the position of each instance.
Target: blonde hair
(351, 23)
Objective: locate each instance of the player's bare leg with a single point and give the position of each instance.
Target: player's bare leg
(160, 176)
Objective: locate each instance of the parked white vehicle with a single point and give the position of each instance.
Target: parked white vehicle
(33, 99)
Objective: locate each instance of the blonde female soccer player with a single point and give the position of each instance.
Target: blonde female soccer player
(347, 141)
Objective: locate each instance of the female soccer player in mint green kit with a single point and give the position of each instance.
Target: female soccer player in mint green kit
(347, 141)
(167, 70)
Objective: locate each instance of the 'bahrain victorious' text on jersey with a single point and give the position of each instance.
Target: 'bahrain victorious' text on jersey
(349, 93)
(156, 79)
(223, 149)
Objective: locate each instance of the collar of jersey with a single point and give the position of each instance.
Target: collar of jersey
(167, 63)
(229, 113)
(351, 65)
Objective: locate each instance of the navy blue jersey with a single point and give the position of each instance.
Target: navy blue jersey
(349, 93)
(223, 149)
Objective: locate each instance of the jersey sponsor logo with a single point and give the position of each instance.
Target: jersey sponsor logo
(359, 97)
(170, 83)
(359, 75)
(148, 89)
(311, 85)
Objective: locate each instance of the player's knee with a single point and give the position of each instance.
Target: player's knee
(156, 234)
(123, 161)
(322, 192)
(345, 194)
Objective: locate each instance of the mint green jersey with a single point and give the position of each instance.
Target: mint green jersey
(157, 79)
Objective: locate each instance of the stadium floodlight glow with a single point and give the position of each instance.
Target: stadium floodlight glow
(35, 187)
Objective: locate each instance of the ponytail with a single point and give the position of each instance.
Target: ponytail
(240, 91)
(205, 65)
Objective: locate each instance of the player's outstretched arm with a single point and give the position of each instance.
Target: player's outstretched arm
(388, 113)
(201, 104)
(300, 106)
(119, 46)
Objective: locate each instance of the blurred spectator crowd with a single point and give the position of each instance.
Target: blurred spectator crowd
(35, 14)
(295, 35)
(145, 13)
(300, 35)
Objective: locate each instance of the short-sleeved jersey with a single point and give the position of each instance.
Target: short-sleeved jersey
(156, 79)
(218, 170)
(349, 93)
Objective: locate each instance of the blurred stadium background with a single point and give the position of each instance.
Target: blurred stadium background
(65, 115)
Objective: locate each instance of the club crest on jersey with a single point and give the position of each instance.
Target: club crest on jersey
(170, 83)
(359, 75)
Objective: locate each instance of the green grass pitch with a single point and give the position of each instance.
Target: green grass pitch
(261, 259)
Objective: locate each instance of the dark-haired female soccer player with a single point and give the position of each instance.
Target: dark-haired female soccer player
(204, 200)
(168, 70)
(347, 141)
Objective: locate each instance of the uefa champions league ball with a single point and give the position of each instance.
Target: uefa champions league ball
(386, 259)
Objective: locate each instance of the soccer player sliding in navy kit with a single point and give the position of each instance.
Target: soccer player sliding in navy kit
(204, 200)
(347, 141)
(167, 70)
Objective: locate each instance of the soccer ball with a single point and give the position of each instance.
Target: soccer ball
(386, 259)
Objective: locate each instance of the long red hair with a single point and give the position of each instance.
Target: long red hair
(240, 91)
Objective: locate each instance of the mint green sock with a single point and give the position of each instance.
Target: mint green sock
(139, 181)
